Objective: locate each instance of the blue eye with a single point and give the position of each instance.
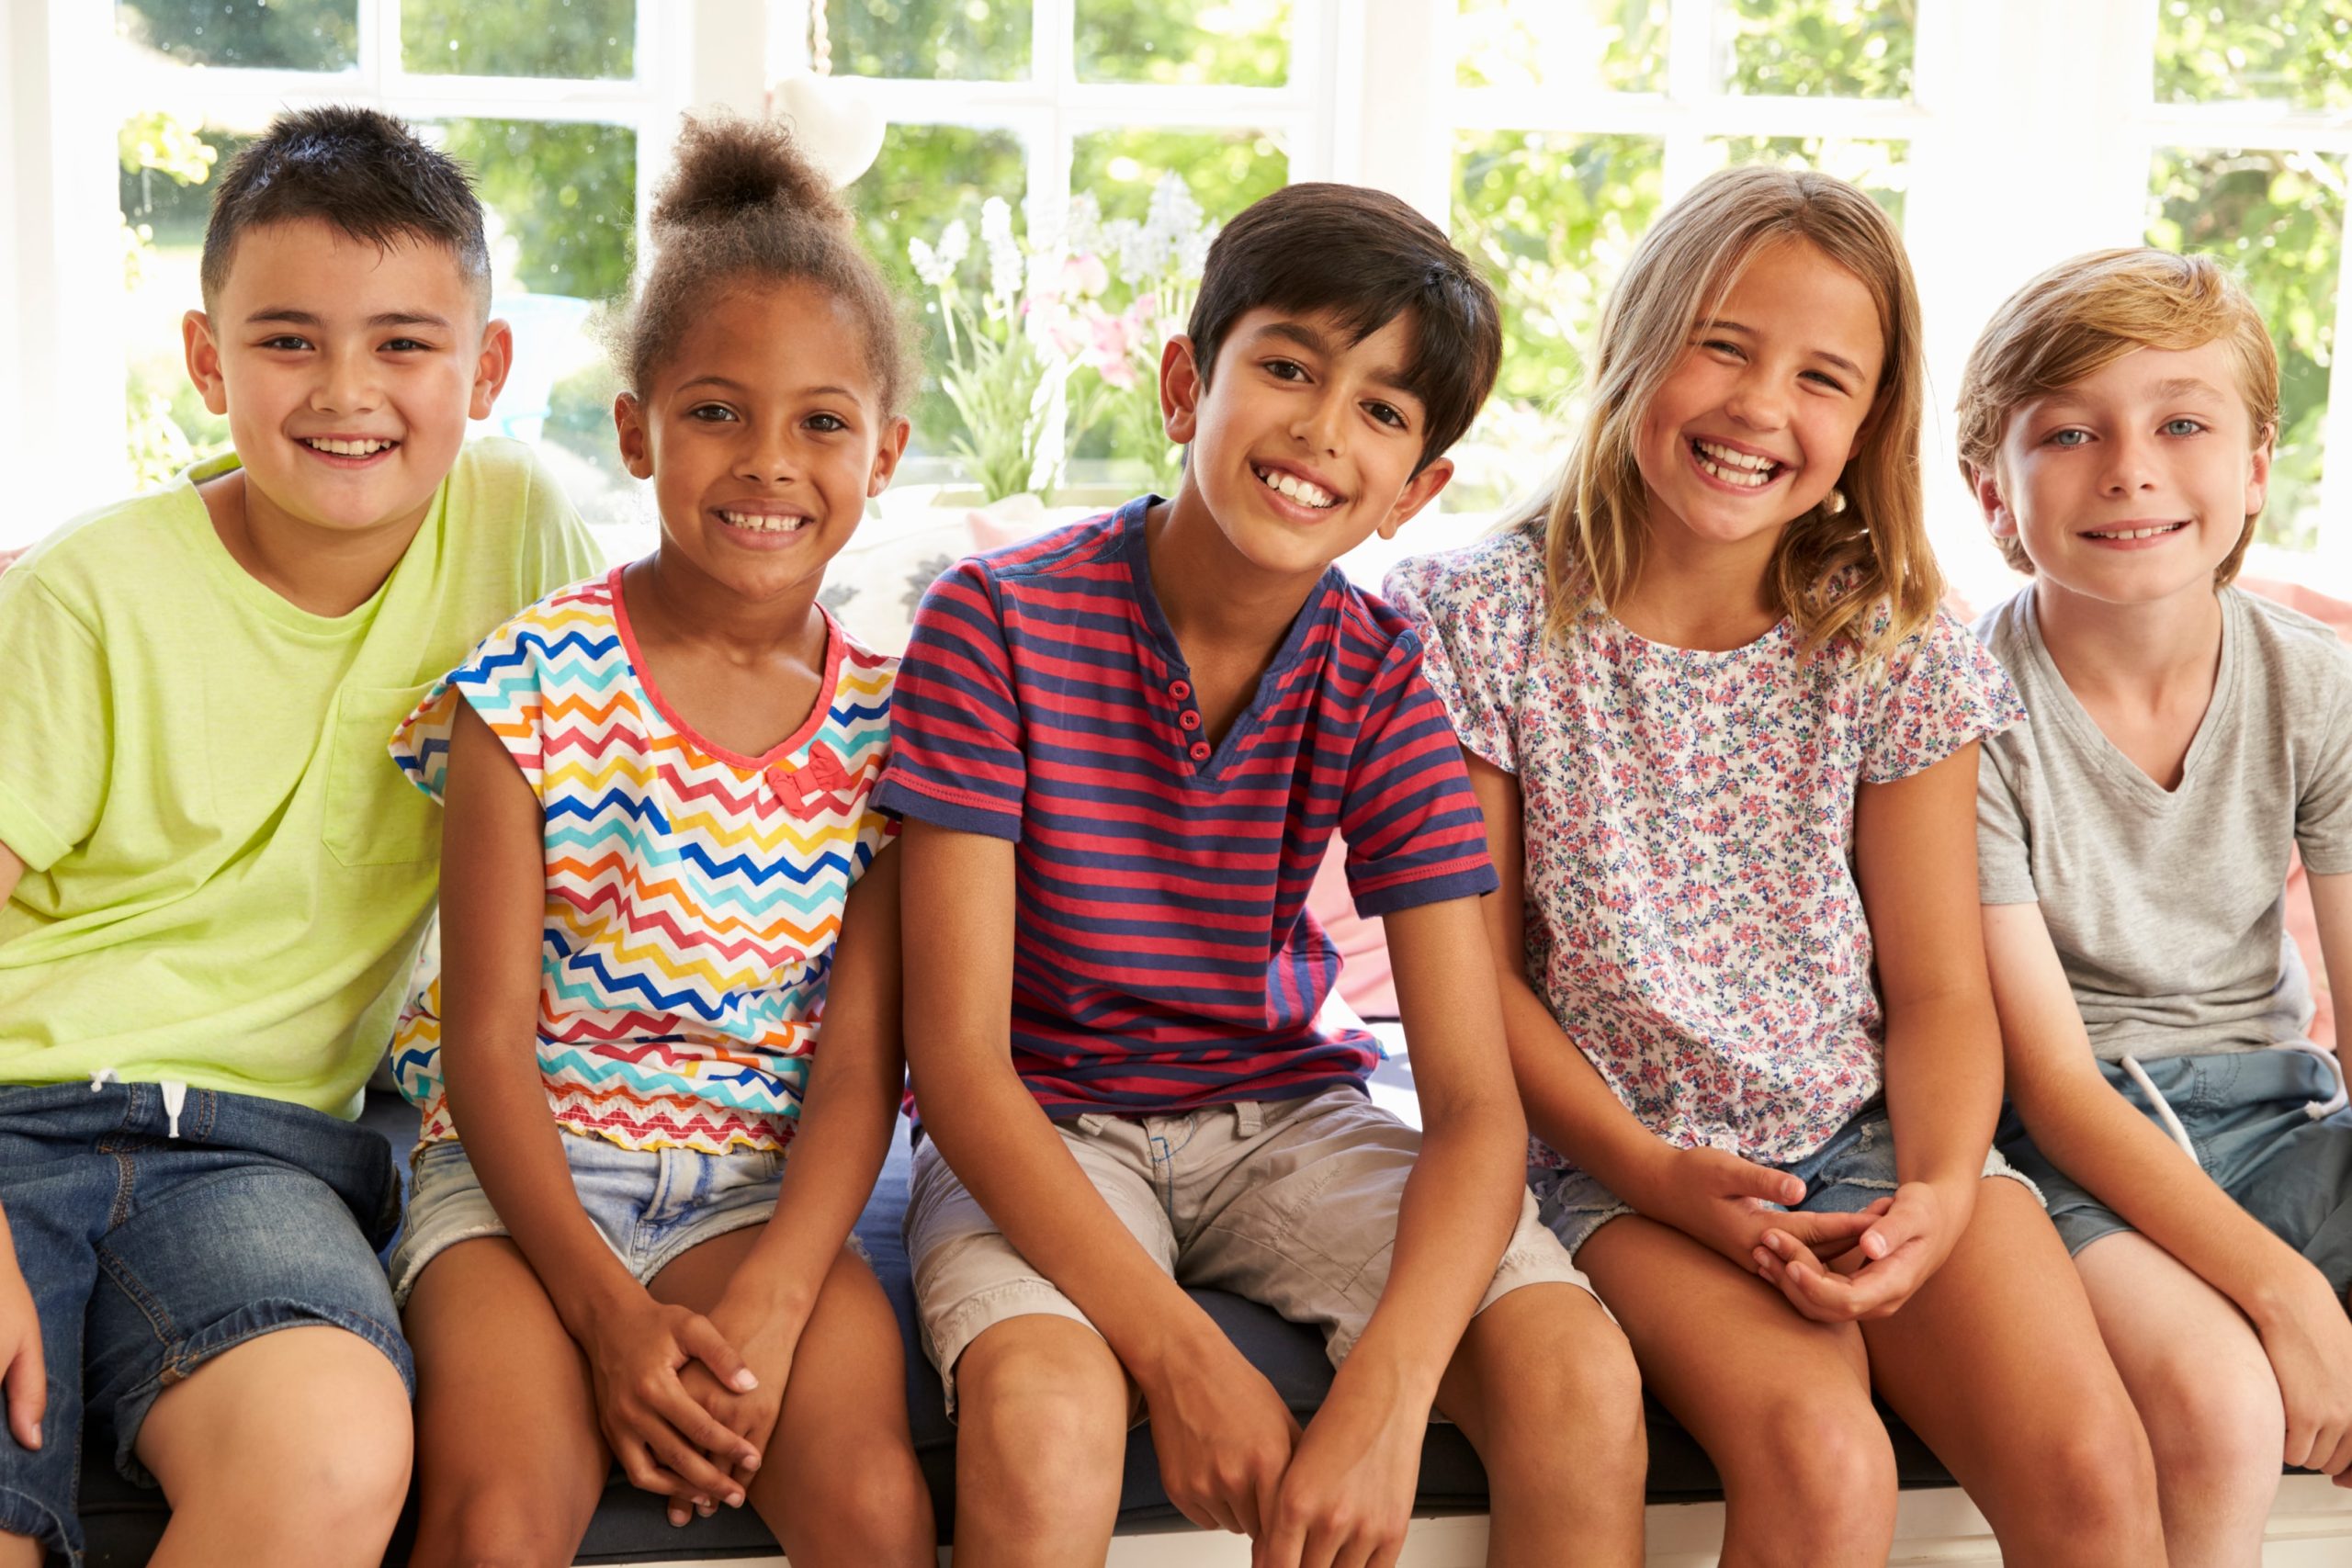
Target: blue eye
(2183, 427)
(2068, 437)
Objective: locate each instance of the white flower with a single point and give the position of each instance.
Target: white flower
(926, 262)
(1004, 252)
(1082, 225)
(1123, 237)
(955, 245)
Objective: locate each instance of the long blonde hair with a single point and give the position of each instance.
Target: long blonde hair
(1830, 571)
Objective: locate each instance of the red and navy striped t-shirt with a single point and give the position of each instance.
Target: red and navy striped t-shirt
(1163, 958)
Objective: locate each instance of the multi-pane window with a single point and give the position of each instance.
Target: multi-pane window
(547, 101)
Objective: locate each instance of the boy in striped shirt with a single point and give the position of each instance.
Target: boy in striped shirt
(1120, 751)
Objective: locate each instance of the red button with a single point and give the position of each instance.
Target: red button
(1199, 750)
(1188, 719)
(1180, 690)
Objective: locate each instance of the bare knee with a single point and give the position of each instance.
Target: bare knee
(1043, 1412)
(2213, 1428)
(2089, 1478)
(1818, 1453)
(498, 1527)
(1562, 1397)
(862, 1512)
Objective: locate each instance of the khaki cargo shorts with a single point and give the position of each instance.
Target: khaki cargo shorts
(1292, 1204)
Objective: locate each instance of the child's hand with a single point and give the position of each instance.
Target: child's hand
(1224, 1437)
(24, 1379)
(1907, 1240)
(657, 1431)
(2309, 1341)
(1726, 1202)
(1348, 1495)
(768, 1344)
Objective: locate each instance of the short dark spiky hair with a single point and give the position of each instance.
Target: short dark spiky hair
(1365, 257)
(363, 172)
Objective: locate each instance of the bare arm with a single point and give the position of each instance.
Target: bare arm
(1915, 861)
(2332, 908)
(846, 1118)
(1351, 1486)
(958, 920)
(493, 897)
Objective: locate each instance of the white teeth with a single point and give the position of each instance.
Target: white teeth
(2137, 532)
(1296, 489)
(345, 448)
(763, 522)
(1731, 458)
(1733, 466)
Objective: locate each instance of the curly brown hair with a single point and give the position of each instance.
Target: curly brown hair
(743, 205)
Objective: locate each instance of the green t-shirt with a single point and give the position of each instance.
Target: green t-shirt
(226, 875)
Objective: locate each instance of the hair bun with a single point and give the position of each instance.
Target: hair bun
(726, 166)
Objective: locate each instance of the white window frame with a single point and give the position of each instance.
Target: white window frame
(67, 91)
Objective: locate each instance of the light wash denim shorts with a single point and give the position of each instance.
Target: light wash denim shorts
(1854, 1169)
(650, 1205)
(2245, 1114)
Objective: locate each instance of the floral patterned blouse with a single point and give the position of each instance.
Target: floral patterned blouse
(1692, 919)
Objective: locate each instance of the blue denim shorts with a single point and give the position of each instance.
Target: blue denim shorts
(650, 1205)
(154, 1236)
(2243, 1112)
(1854, 1169)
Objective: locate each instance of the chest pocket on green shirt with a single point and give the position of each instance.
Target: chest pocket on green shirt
(374, 816)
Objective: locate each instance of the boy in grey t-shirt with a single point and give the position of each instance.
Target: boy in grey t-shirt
(2134, 838)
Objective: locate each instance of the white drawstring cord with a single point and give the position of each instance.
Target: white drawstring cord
(2162, 1106)
(175, 1098)
(2332, 1103)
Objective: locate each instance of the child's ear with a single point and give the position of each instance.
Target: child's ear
(1987, 482)
(1180, 386)
(637, 449)
(491, 367)
(1419, 491)
(204, 361)
(886, 453)
(2258, 479)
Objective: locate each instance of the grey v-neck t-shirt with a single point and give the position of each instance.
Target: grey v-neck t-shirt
(2168, 906)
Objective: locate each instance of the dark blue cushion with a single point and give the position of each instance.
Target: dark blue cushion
(124, 1522)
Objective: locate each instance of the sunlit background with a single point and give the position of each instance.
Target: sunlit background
(1544, 134)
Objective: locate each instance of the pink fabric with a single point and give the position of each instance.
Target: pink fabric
(2301, 923)
(1366, 982)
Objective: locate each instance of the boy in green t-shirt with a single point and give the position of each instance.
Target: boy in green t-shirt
(216, 879)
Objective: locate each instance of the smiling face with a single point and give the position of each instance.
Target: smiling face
(2135, 484)
(348, 373)
(1751, 428)
(764, 435)
(1302, 443)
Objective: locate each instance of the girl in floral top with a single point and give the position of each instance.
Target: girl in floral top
(1726, 748)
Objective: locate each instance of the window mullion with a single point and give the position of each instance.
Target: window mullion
(380, 66)
(1693, 83)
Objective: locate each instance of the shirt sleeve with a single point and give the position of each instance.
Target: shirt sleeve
(56, 723)
(1477, 612)
(1413, 829)
(2004, 839)
(2324, 811)
(957, 755)
(558, 550)
(501, 681)
(1938, 690)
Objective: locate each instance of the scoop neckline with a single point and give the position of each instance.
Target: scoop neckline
(836, 645)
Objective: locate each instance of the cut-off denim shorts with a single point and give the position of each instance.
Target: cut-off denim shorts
(1854, 1169)
(650, 1205)
(158, 1226)
(2247, 1115)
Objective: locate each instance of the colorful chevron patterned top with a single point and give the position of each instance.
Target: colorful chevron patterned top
(694, 895)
